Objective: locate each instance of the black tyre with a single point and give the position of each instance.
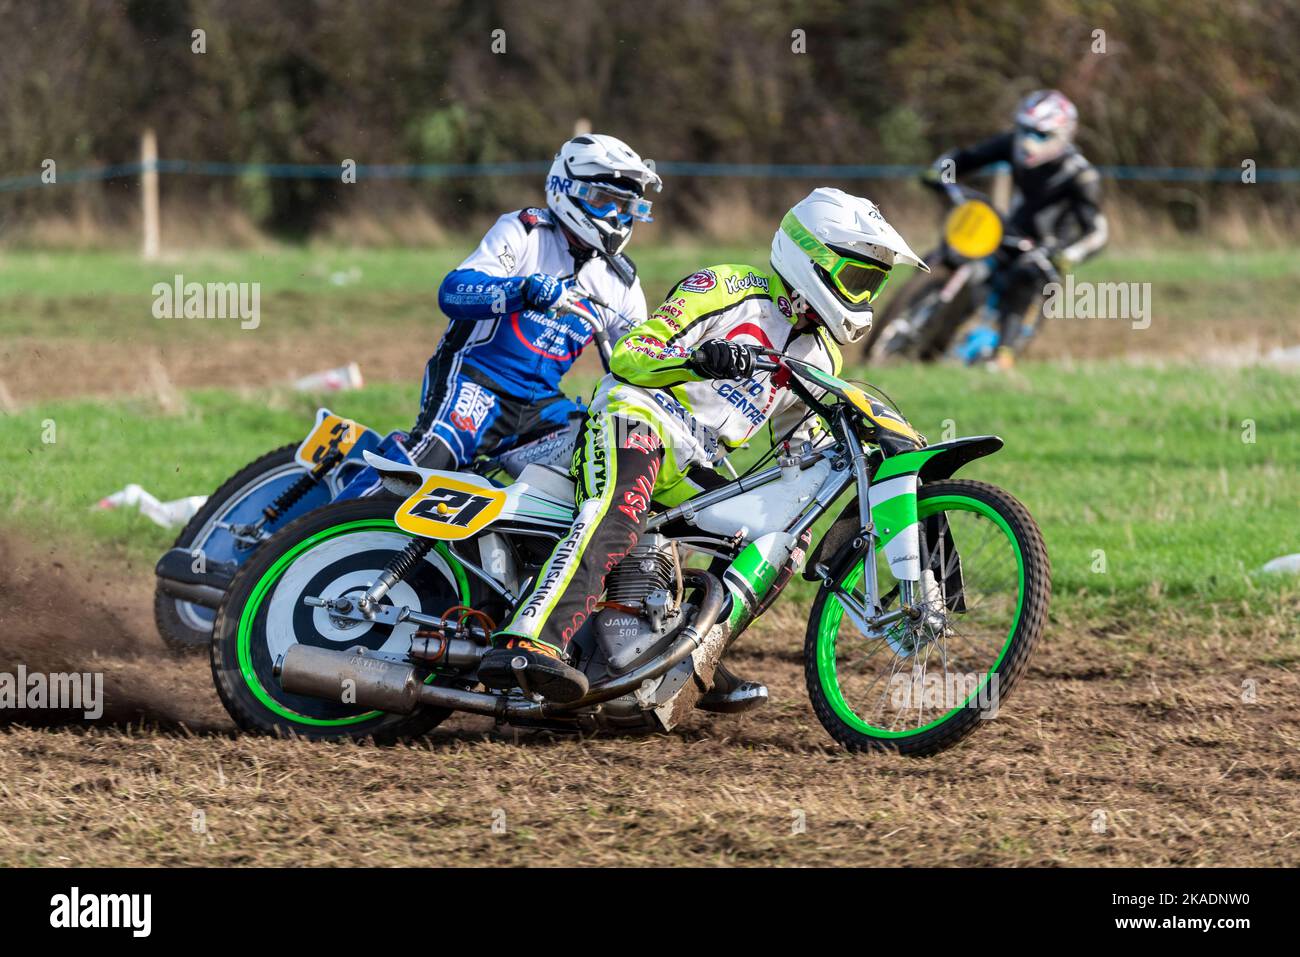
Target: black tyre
(185, 627)
(978, 625)
(338, 549)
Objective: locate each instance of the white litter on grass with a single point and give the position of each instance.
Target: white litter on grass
(167, 514)
(1286, 358)
(341, 278)
(1286, 565)
(332, 380)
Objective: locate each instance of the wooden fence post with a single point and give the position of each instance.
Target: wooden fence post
(149, 194)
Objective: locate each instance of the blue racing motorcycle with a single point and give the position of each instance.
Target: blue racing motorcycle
(287, 483)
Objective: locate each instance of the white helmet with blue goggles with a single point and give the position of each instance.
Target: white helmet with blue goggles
(596, 188)
(1046, 121)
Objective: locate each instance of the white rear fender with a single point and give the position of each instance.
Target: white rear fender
(456, 505)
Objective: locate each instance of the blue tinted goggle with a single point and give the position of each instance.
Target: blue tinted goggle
(1035, 134)
(603, 202)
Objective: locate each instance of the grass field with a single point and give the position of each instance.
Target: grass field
(1163, 478)
(79, 324)
(1170, 480)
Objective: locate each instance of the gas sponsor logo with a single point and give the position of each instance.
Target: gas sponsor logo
(702, 281)
(473, 403)
(751, 280)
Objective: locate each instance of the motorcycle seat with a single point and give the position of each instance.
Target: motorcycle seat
(550, 480)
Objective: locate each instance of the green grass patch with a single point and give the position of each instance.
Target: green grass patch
(1152, 486)
(110, 295)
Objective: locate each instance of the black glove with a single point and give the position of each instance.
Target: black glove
(722, 359)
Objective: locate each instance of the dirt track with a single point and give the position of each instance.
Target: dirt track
(1181, 770)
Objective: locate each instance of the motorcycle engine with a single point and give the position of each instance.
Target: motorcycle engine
(641, 605)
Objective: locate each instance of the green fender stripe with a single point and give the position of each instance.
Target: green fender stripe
(906, 462)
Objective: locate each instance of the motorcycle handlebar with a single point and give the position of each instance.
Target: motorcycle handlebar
(593, 319)
(765, 360)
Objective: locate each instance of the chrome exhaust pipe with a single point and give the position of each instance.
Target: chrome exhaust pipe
(370, 682)
(358, 677)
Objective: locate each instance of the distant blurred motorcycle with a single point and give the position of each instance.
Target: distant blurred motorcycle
(957, 300)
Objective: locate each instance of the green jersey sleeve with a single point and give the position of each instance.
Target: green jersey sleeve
(655, 353)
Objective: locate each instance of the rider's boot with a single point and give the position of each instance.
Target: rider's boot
(731, 694)
(533, 666)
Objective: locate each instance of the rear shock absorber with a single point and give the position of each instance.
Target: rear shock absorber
(397, 568)
(304, 484)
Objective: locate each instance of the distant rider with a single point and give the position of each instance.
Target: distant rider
(1057, 204)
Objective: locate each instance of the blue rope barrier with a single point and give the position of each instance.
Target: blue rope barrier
(1165, 174)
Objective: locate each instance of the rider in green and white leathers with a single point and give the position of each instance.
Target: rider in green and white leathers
(682, 391)
(655, 419)
(700, 420)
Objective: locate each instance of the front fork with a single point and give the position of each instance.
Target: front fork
(887, 518)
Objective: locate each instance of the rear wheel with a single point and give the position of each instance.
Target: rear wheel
(184, 626)
(924, 685)
(336, 550)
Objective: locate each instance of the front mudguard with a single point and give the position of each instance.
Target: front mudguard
(894, 485)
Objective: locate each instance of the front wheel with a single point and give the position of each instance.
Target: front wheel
(336, 550)
(925, 684)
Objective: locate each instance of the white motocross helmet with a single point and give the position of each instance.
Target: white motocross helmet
(1045, 124)
(597, 187)
(834, 251)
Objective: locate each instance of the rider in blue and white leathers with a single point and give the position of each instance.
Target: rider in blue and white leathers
(495, 377)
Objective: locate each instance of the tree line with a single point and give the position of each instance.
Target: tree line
(1186, 83)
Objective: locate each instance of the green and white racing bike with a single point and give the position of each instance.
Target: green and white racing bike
(369, 618)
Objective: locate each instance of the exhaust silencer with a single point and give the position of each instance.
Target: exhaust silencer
(382, 685)
(351, 676)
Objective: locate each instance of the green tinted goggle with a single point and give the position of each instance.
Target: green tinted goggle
(857, 281)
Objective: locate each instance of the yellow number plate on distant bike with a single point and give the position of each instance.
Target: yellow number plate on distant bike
(973, 230)
(331, 430)
(448, 509)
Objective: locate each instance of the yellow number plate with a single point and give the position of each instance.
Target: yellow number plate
(973, 230)
(331, 430)
(447, 509)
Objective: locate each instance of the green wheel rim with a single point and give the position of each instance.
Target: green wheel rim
(833, 612)
(268, 580)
